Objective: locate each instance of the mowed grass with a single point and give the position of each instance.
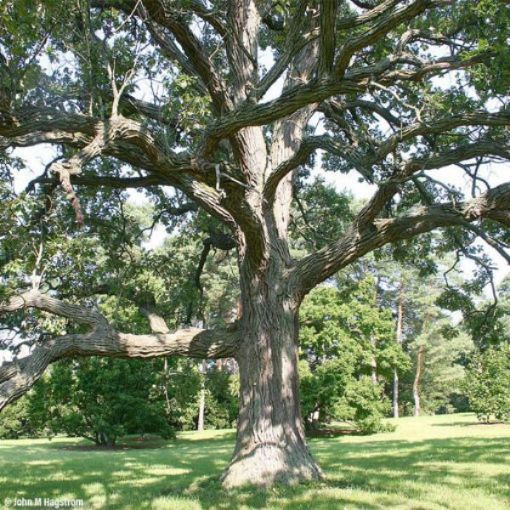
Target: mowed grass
(428, 463)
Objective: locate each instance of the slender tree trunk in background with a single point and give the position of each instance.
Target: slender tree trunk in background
(373, 340)
(165, 386)
(416, 384)
(201, 399)
(395, 394)
(373, 362)
(399, 338)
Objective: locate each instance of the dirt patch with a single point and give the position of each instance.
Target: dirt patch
(332, 432)
(134, 444)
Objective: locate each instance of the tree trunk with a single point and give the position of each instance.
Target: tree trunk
(416, 384)
(373, 362)
(395, 394)
(271, 444)
(168, 406)
(103, 439)
(201, 400)
(400, 329)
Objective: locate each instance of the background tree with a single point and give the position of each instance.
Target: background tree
(100, 399)
(487, 384)
(343, 332)
(171, 97)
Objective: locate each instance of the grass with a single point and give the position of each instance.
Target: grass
(428, 463)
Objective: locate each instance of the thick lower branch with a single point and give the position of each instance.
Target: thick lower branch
(18, 376)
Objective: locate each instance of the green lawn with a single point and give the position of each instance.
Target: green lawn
(428, 463)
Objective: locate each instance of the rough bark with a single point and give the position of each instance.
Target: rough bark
(18, 376)
(270, 444)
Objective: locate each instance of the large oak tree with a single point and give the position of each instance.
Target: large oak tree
(401, 88)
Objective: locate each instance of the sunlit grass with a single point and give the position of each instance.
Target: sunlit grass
(427, 463)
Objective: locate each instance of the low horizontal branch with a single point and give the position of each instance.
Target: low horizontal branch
(17, 377)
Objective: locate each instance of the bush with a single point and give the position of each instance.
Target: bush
(15, 420)
(222, 405)
(487, 384)
(100, 399)
(364, 405)
(330, 393)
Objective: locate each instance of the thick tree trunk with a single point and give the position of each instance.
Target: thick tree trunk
(271, 444)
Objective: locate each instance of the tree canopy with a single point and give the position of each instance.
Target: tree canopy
(220, 112)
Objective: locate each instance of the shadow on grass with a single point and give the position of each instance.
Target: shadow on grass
(189, 469)
(474, 423)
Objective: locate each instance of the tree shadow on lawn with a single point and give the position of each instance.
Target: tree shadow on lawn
(474, 423)
(188, 471)
(384, 470)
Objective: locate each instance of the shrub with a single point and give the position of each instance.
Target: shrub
(487, 384)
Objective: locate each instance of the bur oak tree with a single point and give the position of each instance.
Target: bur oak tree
(220, 101)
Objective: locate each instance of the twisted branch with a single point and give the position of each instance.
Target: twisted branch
(17, 377)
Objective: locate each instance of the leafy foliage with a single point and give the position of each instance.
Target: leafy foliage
(17, 421)
(344, 335)
(487, 384)
(100, 399)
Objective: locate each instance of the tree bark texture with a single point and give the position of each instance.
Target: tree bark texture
(270, 444)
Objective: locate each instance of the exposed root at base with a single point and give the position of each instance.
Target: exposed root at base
(268, 465)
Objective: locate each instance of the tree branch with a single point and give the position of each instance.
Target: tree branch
(17, 377)
(328, 12)
(387, 21)
(295, 41)
(133, 143)
(161, 13)
(289, 102)
(361, 239)
(375, 11)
